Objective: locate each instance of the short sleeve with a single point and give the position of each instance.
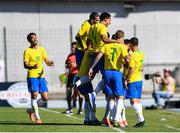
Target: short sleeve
(103, 49)
(132, 62)
(26, 56)
(83, 29)
(44, 54)
(103, 30)
(124, 50)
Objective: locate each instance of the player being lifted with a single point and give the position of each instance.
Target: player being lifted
(98, 35)
(82, 36)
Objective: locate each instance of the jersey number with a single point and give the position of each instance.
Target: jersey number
(113, 53)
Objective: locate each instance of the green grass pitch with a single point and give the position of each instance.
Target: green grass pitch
(16, 120)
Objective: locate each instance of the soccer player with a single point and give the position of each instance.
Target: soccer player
(113, 53)
(33, 60)
(89, 113)
(98, 36)
(134, 80)
(72, 71)
(82, 35)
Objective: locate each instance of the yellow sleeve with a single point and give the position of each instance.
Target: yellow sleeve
(103, 49)
(143, 57)
(90, 34)
(26, 56)
(103, 30)
(124, 50)
(132, 62)
(83, 29)
(44, 54)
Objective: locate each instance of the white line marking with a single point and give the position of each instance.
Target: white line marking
(118, 129)
(178, 129)
(56, 112)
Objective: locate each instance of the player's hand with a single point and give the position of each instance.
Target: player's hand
(84, 50)
(52, 63)
(35, 66)
(73, 65)
(90, 72)
(126, 84)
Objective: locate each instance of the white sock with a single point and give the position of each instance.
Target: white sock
(35, 107)
(119, 108)
(40, 102)
(138, 109)
(123, 114)
(111, 107)
(113, 113)
(86, 111)
(107, 112)
(100, 86)
(83, 80)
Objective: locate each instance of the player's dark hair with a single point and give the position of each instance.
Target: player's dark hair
(104, 16)
(134, 41)
(29, 36)
(120, 34)
(114, 36)
(93, 15)
(73, 43)
(126, 41)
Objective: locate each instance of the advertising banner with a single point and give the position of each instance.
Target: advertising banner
(15, 94)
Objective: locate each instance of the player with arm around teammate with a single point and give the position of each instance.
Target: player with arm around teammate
(113, 54)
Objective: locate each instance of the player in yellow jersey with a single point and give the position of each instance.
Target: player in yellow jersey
(89, 114)
(98, 36)
(134, 80)
(82, 35)
(114, 53)
(33, 61)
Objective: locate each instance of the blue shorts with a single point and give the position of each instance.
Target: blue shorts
(100, 65)
(37, 85)
(113, 83)
(85, 88)
(134, 90)
(79, 56)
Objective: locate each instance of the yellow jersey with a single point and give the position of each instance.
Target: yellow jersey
(136, 63)
(84, 32)
(95, 34)
(32, 57)
(113, 56)
(85, 65)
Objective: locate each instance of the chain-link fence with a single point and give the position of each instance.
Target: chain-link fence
(160, 44)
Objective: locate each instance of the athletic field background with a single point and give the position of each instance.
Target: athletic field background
(17, 120)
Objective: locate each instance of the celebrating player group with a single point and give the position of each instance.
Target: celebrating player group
(119, 61)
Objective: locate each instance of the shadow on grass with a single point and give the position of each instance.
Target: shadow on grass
(25, 123)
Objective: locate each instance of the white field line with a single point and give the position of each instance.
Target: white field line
(171, 127)
(56, 112)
